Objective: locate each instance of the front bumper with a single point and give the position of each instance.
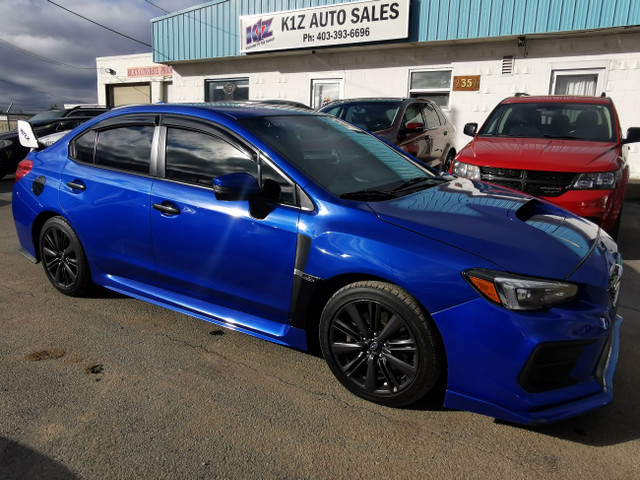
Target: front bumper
(600, 206)
(493, 355)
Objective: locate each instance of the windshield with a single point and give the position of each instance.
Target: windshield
(569, 121)
(338, 157)
(372, 115)
(45, 117)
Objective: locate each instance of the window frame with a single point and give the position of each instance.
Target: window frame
(578, 72)
(427, 92)
(208, 81)
(157, 164)
(207, 128)
(144, 120)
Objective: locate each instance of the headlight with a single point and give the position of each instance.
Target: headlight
(465, 170)
(516, 292)
(597, 181)
(5, 143)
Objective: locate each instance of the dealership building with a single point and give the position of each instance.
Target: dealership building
(466, 55)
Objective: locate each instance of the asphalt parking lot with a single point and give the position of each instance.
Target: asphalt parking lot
(109, 387)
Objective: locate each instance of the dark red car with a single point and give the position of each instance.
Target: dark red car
(568, 150)
(416, 125)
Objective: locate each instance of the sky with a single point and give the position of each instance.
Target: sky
(36, 36)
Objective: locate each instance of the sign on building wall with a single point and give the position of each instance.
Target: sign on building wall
(150, 71)
(341, 24)
(468, 83)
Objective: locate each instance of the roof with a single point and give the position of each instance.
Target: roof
(558, 99)
(234, 110)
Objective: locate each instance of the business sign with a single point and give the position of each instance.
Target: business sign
(151, 71)
(341, 24)
(468, 83)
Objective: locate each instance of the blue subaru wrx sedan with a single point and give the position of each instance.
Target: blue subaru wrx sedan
(299, 228)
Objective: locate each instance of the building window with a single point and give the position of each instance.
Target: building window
(222, 90)
(577, 82)
(325, 91)
(432, 84)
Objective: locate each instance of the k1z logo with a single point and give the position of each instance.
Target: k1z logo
(259, 31)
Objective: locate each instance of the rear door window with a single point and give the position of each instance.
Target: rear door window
(125, 148)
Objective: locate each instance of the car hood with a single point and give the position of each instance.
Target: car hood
(521, 234)
(540, 154)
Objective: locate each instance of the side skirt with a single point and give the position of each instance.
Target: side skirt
(259, 327)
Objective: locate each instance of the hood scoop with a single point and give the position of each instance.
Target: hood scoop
(568, 229)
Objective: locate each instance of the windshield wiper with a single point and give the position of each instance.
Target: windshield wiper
(417, 181)
(368, 195)
(562, 137)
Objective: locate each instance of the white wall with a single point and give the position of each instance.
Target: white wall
(113, 71)
(378, 71)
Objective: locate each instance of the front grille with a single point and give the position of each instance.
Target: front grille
(533, 182)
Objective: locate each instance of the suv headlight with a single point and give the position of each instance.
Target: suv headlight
(597, 181)
(465, 170)
(516, 292)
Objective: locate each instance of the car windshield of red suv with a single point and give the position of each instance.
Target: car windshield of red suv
(569, 121)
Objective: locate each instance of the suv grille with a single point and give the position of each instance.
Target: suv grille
(533, 182)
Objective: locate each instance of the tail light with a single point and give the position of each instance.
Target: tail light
(24, 167)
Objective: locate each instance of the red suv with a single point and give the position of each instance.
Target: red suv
(568, 150)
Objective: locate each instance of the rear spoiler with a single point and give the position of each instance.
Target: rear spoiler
(29, 138)
(27, 135)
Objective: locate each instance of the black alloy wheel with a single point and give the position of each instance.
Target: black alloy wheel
(63, 258)
(379, 344)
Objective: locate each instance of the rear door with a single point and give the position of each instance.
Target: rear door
(412, 137)
(105, 192)
(214, 250)
(438, 135)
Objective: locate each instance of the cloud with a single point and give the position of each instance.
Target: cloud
(47, 30)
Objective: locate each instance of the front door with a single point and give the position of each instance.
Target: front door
(214, 250)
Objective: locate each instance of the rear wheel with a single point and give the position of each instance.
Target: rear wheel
(63, 258)
(379, 343)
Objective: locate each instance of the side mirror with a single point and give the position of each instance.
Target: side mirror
(26, 135)
(470, 129)
(236, 186)
(633, 135)
(243, 186)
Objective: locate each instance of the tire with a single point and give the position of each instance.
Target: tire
(615, 231)
(394, 360)
(63, 258)
(4, 169)
(448, 161)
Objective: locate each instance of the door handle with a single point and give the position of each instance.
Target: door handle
(166, 208)
(76, 185)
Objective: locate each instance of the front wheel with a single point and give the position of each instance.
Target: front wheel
(379, 344)
(448, 161)
(63, 258)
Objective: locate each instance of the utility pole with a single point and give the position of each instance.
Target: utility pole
(8, 122)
